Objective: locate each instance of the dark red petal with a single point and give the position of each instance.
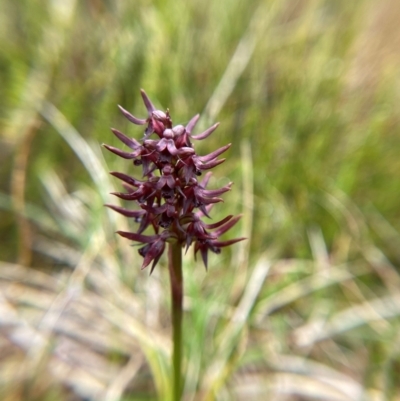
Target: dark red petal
(178, 130)
(191, 124)
(211, 164)
(127, 212)
(161, 145)
(158, 127)
(185, 151)
(154, 253)
(215, 154)
(132, 143)
(127, 196)
(205, 209)
(217, 224)
(147, 102)
(221, 244)
(216, 192)
(150, 144)
(207, 201)
(121, 153)
(147, 239)
(206, 133)
(159, 115)
(156, 259)
(170, 181)
(131, 118)
(172, 148)
(204, 253)
(227, 226)
(124, 177)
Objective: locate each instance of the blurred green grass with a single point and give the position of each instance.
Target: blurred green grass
(306, 91)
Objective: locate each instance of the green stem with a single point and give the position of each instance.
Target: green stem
(176, 279)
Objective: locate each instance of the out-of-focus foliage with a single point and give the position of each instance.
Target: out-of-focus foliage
(307, 92)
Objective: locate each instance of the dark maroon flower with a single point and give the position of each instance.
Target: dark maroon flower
(154, 248)
(195, 195)
(193, 165)
(169, 193)
(213, 244)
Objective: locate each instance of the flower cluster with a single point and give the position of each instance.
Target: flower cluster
(171, 198)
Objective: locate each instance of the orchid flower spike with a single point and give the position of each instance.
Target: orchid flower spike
(169, 198)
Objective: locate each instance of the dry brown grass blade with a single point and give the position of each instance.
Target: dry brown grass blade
(18, 183)
(51, 324)
(355, 316)
(305, 287)
(289, 386)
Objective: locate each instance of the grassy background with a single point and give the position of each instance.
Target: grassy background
(307, 92)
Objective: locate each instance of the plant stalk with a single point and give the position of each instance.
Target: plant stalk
(176, 280)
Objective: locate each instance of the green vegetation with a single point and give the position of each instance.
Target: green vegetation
(307, 92)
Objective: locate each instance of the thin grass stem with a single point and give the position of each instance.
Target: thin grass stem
(176, 280)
